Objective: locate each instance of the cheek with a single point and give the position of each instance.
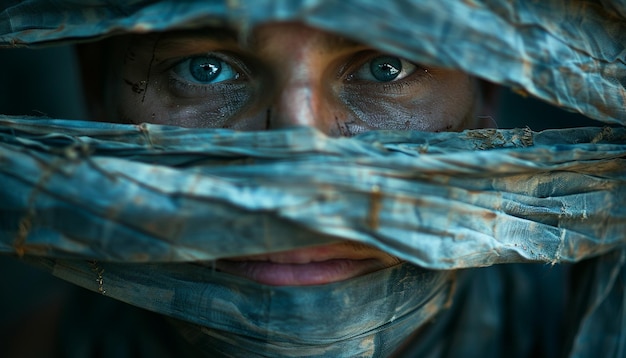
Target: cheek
(444, 103)
(156, 101)
(132, 89)
(456, 101)
(131, 104)
(390, 113)
(221, 107)
(430, 114)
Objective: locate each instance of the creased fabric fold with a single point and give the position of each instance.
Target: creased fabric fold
(439, 200)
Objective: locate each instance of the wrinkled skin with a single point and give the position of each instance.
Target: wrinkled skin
(280, 75)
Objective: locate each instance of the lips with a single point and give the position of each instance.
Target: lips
(309, 266)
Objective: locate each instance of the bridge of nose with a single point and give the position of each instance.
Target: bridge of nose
(299, 60)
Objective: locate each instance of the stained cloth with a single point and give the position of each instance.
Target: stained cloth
(112, 207)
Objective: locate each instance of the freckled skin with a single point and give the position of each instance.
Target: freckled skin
(287, 75)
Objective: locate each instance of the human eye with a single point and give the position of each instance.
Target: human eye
(384, 68)
(205, 70)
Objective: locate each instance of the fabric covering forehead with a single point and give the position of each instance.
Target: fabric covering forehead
(568, 52)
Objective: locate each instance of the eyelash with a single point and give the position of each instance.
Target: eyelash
(413, 80)
(190, 90)
(348, 71)
(399, 85)
(186, 87)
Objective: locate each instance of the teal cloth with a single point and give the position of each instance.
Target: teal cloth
(235, 317)
(438, 200)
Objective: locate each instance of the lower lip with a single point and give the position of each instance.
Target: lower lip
(313, 273)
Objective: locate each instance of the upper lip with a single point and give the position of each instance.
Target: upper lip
(310, 254)
(308, 266)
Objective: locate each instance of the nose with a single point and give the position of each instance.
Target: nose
(304, 100)
(302, 89)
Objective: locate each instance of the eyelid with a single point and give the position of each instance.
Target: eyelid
(358, 60)
(355, 62)
(232, 59)
(182, 88)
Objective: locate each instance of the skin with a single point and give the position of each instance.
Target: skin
(283, 75)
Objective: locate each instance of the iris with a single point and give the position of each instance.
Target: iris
(205, 70)
(385, 68)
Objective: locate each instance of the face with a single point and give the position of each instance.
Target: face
(284, 75)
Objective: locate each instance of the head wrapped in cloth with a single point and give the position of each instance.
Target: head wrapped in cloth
(154, 206)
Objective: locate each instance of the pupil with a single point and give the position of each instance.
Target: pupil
(205, 69)
(385, 68)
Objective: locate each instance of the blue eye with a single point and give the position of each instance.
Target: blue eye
(205, 70)
(385, 69)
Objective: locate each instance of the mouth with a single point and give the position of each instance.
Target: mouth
(309, 266)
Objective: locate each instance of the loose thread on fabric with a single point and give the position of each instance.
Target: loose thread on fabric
(99, 276)
(143, 129)
(559, 249)
(605, 134)
(527, 137)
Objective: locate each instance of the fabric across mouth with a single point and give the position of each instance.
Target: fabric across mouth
(242, 316)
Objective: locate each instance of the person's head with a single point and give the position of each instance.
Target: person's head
(278, 75)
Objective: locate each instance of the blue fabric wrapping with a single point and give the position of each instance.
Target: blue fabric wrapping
(207, 194)
(241, 317)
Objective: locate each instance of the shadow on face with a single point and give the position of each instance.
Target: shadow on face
(284, 75)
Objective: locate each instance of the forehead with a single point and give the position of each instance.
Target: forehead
(285, 34)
